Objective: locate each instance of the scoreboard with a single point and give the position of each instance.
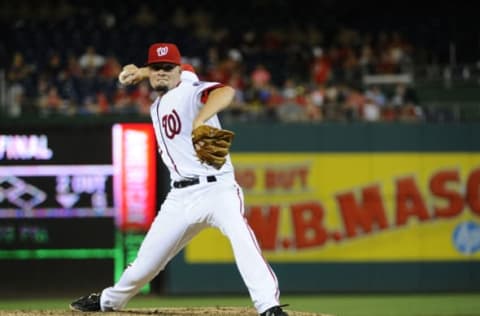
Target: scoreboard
(56, 173)
(56, 191)
(75, 192)
(56, 233)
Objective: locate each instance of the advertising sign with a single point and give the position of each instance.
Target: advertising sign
(321, 207)
(134, 160)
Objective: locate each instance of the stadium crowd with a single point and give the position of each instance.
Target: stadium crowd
(64, 58)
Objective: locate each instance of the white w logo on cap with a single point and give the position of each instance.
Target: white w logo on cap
(162, 51)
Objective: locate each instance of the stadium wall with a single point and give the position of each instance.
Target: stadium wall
(336, 208)
(311, 199)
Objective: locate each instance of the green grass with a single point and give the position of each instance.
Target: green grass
(339, 305)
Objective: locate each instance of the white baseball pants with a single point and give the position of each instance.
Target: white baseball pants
(184, 213)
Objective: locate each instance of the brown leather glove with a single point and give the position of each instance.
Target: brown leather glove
(212, 144)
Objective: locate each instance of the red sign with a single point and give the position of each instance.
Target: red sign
(134, 162)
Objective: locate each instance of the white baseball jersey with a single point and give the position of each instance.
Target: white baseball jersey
(172, 116)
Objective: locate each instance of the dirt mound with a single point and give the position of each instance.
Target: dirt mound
(205, 311)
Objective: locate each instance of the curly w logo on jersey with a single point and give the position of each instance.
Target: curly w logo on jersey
(171, 124)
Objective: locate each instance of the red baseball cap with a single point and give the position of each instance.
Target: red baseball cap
(163, 53)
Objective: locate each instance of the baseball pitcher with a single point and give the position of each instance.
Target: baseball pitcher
(204, 193)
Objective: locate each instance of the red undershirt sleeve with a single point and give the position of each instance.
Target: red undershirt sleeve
(206, 92)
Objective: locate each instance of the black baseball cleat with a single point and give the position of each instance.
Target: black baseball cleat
(89, 303)
(274, 311)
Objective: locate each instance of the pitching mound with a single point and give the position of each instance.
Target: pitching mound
(205, 311)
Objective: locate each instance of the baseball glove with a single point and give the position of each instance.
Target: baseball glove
(212, 144)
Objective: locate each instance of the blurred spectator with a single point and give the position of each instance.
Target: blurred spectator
(292, 110)
(109, 76)
(19, 71)
(238, 83)
(367, 60)
(103, 103)
(274, 102)
(354, 103)
(142, 98)
(403, 95)
(386, 63)
(72, 81)
(400, 51)
(111, 68)
(122, 102)
(89, 106)
(54, 68)
(260, 77)
(315, 102)
(376, 95)
(90, 60)
(15, 100)
(371, 110)
(388, 113)
(19, 76)
(74, 68)
(51, 103)
(321, 68)
(289, 71)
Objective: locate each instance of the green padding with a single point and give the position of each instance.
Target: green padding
(355, 137)
(58, 254)
(331, 277)
(306, 137)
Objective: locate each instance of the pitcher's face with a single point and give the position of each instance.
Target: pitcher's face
(164, 76)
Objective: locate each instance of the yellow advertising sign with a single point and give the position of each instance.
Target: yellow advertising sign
(356, 207)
